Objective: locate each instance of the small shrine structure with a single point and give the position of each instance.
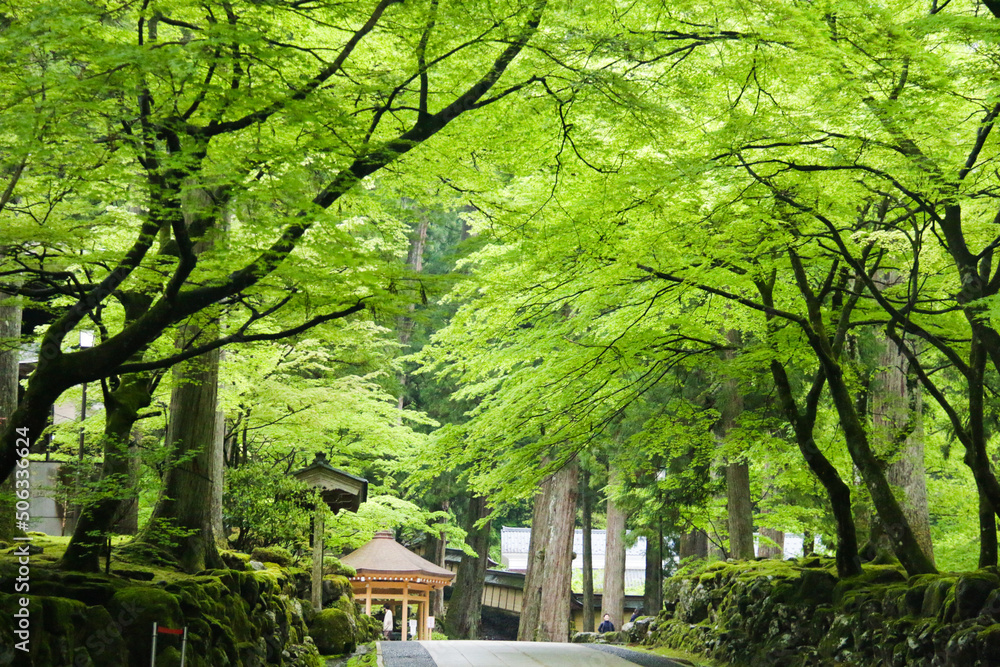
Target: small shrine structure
(340, 491)
(388, 573)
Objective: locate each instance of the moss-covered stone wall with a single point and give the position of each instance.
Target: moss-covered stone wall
(234, 619)
(798, 613)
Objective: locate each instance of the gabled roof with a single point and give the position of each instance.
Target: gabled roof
(383, 557)
(339, 489)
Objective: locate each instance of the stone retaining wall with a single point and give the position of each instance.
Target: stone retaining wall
(798, 613)
(234, 619)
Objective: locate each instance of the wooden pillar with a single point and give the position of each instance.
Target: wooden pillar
(368, 598)
(424, 631)
(406, 611)
(317, 571)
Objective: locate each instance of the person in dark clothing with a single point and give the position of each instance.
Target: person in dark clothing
(635, 615)
(606, 625)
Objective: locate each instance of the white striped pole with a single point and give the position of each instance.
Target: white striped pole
(152, 662)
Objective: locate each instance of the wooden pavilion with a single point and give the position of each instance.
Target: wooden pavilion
(388, 572)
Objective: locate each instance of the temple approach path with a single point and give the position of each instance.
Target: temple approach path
(512, 654)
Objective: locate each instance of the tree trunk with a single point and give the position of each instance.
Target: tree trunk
(185, 502)
(545, 614)
(693, 544)
(652, 598)
(848, 561)
(740, 511)
(532, 595)
(436, 551)
(405, 324)
(987, 533)
(587, 522)
(904, 542)
(10, 338)
(897, 429)
(216, 474)
(117, 474)
(464, 617)
(768, 550)
(613, 598)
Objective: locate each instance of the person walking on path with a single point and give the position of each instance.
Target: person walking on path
(387, 624)
(606, 625)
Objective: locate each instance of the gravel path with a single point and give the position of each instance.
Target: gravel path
(405, 654)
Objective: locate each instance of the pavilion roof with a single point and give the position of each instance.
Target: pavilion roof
(384, 558)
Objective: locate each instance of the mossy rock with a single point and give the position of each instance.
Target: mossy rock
(278, 555)
(971, 593)
(334, 632)
(815, 587)
(135, 609)
(914, 598)
(333, 566)
(235, 560)
(871, 576)
(250, 588)
(336, 587)
(989, 641)
(346, 605)
(935, 596)
(894, 602)
(88, 589)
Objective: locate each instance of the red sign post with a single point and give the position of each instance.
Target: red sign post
(157, 631)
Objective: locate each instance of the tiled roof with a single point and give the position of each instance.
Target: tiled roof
(517, 541)
(384, 557)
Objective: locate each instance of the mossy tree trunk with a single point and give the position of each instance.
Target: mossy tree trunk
(987, 533)
(185, 504)
(739, 511)
(904, 542)
(217, 476)
(803, 423)
(895, 403)
(464, 616)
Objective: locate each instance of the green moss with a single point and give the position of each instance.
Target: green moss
(971, 593)
(368, 656)
(334, 632)
(871, 576)
(278, 555)
(332, 565)
(341, 586)
(936, 595)
(815, 586)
